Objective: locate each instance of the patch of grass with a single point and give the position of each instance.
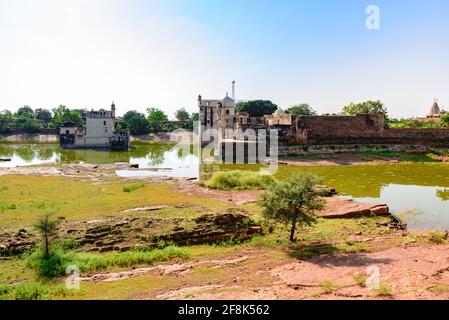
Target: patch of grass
(384, 290)
(62, 196)
(360, 279)
(437, 237)
(32, 291)
(240, 180)
(133, 187)
(353, 247)
(90, 262)
(403, 156)
(439, 288)
(328, 286)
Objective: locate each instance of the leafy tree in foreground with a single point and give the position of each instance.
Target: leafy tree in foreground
(47, 228)
(294, 202)
(367, 107)
(302, 110)
(257, 108)
(182, 115)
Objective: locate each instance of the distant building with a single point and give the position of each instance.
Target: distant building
(436, 112)
(279, 118)
(99, 132)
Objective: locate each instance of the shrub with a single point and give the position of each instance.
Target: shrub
(294, 202)
(384, 290)
(133, 187)
(51, 266)
(240, 180)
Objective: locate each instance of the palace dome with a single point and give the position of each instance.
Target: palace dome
(228, 102)
(279, 112)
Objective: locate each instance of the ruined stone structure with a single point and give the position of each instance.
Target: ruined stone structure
(362, 129)
(316, 130)
(99, 132)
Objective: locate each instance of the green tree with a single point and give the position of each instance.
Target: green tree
(30, 125)
(136, 122)
(257, 108)
(63, 114)
(25, 112)
(367, 107)
(302, 110)
(7, 121)
(293, 202)
(46, 227)
(182, 115)
(43, 115)
(156, 115)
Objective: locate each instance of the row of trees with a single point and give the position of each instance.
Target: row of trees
(32, 121)
(155, 120)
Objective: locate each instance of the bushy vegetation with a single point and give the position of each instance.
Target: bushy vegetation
(367, 107)
(302, 110)
(133, 187)
(240, 180)
(257, 108)
(414, 123)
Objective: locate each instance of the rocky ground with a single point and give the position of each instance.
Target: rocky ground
(403, 273)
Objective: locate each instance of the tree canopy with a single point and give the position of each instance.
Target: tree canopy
(293, 202)
(136, 122)
(156, 115)
(63, 114)
(302, 110)
(182, 115)
(257, 108)
(367, 107)
(25, 111)
(43, 115)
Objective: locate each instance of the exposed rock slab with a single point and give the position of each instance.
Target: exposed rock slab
(347, 208)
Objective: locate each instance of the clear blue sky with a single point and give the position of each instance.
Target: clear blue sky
(86, 53)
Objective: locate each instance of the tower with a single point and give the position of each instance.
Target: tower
(113, 109)
(233, 90)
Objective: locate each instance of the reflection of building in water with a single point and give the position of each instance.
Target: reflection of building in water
(99, 132)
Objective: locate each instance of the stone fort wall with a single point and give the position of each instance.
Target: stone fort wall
(362, 129)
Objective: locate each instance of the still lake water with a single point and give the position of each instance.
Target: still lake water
(416, 192)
